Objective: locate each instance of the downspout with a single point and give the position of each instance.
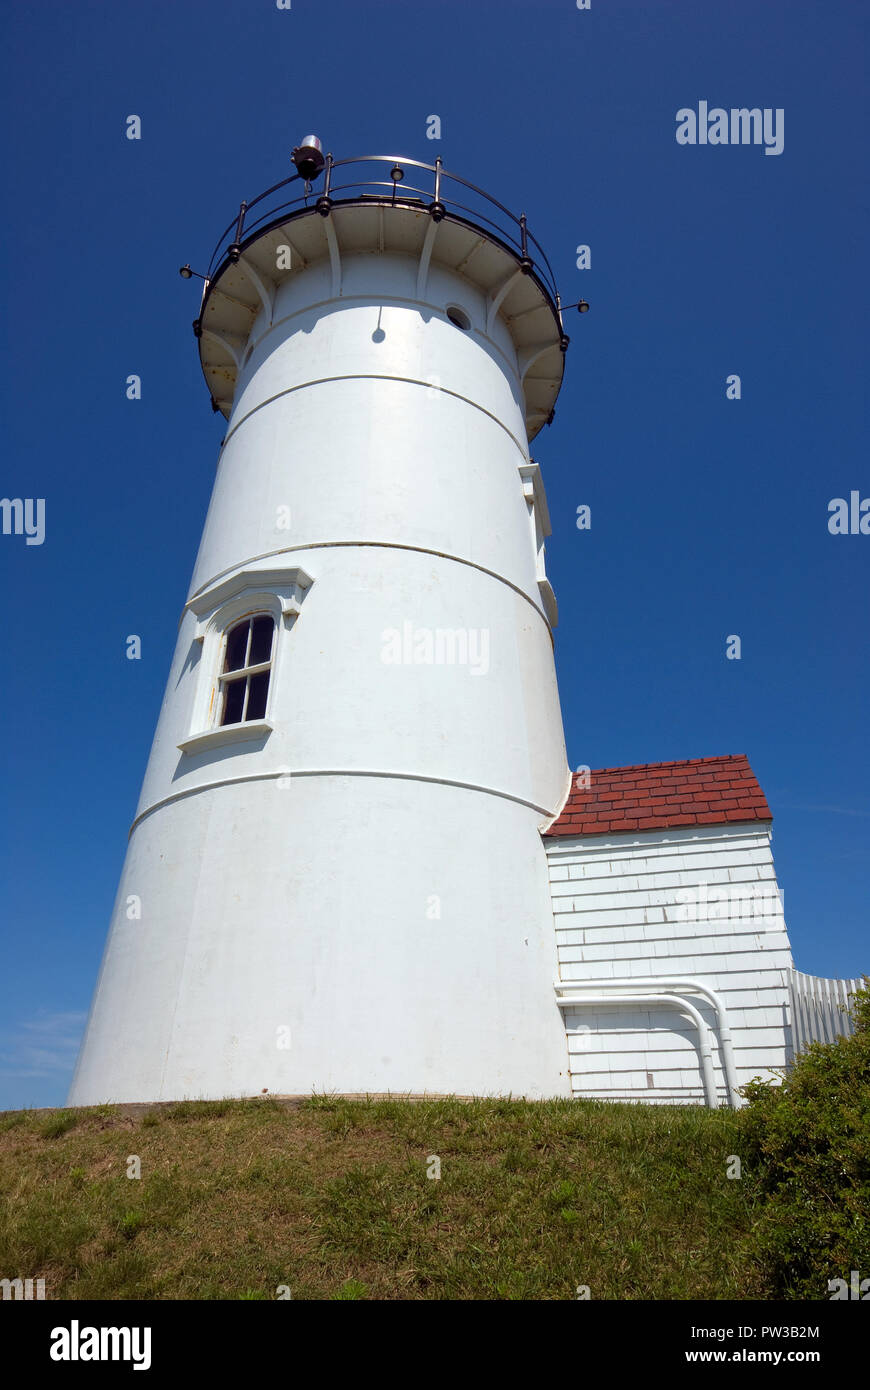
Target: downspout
(674, 1001)
(726, 1045)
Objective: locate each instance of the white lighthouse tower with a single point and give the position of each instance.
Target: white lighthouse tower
(335, 878)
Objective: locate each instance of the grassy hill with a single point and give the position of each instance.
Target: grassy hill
(331, 1198)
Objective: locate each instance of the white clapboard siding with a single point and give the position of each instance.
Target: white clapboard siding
(819, 1008)
(672, 903)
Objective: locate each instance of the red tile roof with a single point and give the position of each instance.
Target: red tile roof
(657, 796)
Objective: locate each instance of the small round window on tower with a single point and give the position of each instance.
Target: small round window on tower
(458, 317)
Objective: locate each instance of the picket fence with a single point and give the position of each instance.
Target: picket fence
(819, 1008)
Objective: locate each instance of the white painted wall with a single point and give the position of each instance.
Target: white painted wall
(306, 903)
(620, 909)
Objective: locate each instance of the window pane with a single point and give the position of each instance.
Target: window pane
(258, 689)
(261, 641)
(233, 700)
(237, 642)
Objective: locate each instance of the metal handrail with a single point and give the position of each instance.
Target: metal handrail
(506, 228)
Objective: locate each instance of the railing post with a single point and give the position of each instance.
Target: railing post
(564, 340)
(436, 207)
(525, 260)
(324, 202)
(235, 250)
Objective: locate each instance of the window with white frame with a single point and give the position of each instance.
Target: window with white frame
(241, 626)
(246, 670)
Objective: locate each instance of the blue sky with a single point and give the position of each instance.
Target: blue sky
(709, 516)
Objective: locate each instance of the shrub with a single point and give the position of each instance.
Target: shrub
(806, 1144)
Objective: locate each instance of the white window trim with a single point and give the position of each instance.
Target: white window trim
(278, 593)
(539, 525)
(227, 733)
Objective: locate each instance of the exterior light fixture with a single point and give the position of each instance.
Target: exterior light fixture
(185, 272)
(583, 307)
(309, 158)
(397, 174)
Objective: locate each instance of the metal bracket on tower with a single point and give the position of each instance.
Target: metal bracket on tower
(425, 258)
(266, 295)
(498, 296)
(233, 343)
(530, 355)
(334, 256)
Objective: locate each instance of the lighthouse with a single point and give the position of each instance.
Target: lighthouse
(335, 878)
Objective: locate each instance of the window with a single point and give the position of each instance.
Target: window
(458, 317)
(241, 624)
(246, 669)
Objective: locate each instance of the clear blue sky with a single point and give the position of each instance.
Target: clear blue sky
(709, 517)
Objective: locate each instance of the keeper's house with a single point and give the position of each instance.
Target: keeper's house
(676, 978)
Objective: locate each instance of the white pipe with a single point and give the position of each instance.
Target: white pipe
(729, 1065)
(674, 1001)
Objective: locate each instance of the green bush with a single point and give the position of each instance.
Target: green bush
(806, 1145)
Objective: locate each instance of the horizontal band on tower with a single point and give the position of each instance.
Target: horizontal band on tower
(340, 772)
(378, 376)
(382, 545)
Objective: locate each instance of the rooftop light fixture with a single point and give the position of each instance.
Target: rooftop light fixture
(309, 157)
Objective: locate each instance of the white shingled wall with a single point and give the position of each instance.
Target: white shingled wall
(697, 902)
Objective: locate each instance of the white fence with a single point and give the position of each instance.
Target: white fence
(819, 1008)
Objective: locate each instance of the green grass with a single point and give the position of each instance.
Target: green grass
(331, 1198)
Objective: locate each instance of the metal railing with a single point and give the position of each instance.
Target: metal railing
(346, 182)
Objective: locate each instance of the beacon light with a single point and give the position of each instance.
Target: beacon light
(308, 157)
